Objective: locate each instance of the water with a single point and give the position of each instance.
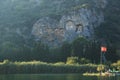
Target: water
(51, 77)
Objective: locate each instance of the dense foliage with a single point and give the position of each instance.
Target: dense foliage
(8, 67)
(80, 47)
(110, 29)
(116, 65)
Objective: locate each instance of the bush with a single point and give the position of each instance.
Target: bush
(100, 68)
(116, 65)
(72, 60)
(6, 61)
(84, 61)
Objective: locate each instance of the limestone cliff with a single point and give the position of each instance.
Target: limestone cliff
(49, 21)
(78, 21)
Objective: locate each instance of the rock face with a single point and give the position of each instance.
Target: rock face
(73, 24)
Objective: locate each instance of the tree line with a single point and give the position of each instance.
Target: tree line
(80, 47)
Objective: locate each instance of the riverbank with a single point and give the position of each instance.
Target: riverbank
(98, 74)
(37, 67)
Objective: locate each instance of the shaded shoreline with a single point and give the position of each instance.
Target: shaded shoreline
(37, 67)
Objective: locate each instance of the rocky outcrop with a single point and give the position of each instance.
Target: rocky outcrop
(75, 23)
(100, 3)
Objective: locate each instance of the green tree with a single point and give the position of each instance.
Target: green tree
(65, 51)
(40, 51)
(79, 47)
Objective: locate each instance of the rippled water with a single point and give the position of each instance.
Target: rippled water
(52, 77)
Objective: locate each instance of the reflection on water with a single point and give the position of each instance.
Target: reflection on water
(52, 77)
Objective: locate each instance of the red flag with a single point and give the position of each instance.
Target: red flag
(103, 49)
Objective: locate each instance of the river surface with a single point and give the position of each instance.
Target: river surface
(52, 77)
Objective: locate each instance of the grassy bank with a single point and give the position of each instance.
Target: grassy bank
(8, 67)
